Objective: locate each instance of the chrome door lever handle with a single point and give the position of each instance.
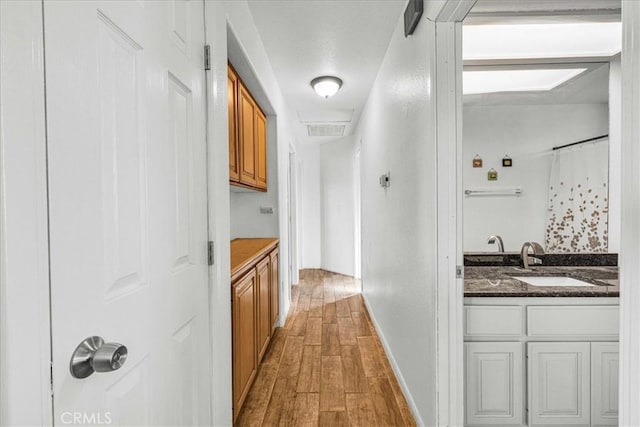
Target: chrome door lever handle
(94, 355)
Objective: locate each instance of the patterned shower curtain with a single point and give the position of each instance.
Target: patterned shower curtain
(578, 213)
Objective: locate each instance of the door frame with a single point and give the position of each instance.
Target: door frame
(292, 182)
(357, 195)
(629, 376)
(450, 285)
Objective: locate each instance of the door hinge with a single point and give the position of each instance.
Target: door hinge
(207, 57)
(210, 256)
(51, 377)
(459, 272)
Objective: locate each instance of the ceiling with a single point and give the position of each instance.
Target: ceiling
(494, 8)
(349, 38)
(309, 38)
(591, 86)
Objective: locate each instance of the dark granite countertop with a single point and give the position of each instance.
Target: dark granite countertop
(514, 259)
(477, 282)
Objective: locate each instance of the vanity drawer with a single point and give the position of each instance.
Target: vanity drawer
(493, 320)
(582, 320)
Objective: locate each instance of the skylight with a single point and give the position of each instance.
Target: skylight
(557, 40)
(476, 82)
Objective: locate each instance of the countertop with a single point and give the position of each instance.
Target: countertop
(246, 252)
(476, 282)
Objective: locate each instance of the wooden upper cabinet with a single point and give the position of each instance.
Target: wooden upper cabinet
(247, 137)
(261, 150)
(232, 87)
(246, 123)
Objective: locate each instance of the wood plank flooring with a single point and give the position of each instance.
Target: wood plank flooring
(326, 366)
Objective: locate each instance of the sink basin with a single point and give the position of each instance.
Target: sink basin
(551, 281)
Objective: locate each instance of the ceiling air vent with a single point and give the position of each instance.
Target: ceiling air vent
(326, 130)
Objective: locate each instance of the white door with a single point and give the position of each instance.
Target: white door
(494, 383)
(127, 177)
(559, 383)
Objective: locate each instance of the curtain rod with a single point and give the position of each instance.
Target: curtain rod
(580, 142)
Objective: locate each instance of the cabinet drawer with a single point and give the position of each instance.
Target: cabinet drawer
(585, 320)
(493, 320)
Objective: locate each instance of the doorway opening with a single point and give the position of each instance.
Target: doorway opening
(539, 158)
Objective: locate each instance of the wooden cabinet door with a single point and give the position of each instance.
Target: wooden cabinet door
(494, 386)
(559, 383)
(261, 150)
(275, 295)
(262, 312)
(246, 127)
(244, 338)
(234, 161)
(605, 358)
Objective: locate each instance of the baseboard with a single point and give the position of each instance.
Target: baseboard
(394, 365)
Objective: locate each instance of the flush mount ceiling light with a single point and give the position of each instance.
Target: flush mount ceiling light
(476, 82)
(326, 86)
(556, 40)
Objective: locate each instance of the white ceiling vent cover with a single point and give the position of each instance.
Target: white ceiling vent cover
(325, 130)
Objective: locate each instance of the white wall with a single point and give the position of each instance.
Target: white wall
(337, 182)
(237, 16)
(246, 219)
(397, 128)
(311, 211)
(527, 133)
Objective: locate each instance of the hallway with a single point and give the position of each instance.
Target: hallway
(326, 366)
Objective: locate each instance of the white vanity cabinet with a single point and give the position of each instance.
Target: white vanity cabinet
(498, 401)
(541, 361)
(605, 358)
(559, 386)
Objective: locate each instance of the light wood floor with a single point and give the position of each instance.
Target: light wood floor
(326, 366)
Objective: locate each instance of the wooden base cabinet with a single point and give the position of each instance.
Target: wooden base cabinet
(243, 310)
(263, 316)
(494, 383)
(274, 295)
(254, 307)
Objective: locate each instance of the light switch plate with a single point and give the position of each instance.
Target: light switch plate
(385, 180)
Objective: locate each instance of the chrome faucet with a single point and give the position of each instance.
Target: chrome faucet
(498, 240)
(531, 260)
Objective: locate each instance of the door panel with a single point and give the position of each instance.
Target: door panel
(605, 361)
(262, 309)
(559, 375)
(494, 383)
(127, 174)
(232, 105)
(275, 286)
(244, 342)
(247, 136)
(261, 149)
